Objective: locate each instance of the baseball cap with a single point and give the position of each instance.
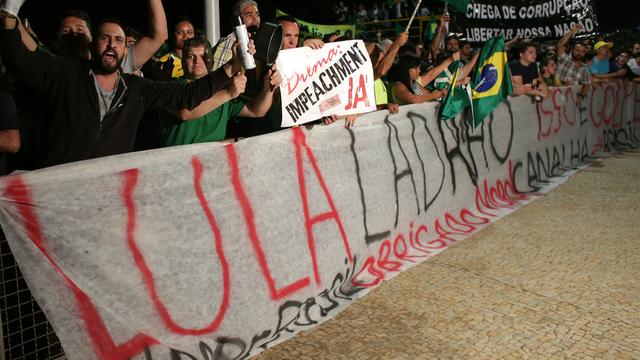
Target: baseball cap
(600, 44)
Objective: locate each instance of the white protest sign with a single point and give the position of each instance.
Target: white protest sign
(334, 80)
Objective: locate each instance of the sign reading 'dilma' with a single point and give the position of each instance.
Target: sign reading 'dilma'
(334, 80)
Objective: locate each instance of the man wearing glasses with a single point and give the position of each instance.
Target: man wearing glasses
(248, 10)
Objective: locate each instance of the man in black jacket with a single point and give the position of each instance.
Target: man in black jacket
(94, 108)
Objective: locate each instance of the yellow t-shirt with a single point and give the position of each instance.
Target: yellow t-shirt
(177, 64)
(380, 90)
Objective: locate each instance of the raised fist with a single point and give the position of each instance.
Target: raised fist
(238, 85)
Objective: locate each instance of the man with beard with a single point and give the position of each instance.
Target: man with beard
(74, 37)
(571, 70)
(95, 108)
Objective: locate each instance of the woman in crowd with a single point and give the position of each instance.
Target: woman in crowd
(548, 71)
(407, 89)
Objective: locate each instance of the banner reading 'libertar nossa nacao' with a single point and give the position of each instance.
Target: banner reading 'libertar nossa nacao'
(528, 19)
(219, 251)
(336, 79)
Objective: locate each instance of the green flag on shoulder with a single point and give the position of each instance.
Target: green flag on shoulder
(457, 98)
(491, 79)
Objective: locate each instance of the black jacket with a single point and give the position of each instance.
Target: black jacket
(75, 131)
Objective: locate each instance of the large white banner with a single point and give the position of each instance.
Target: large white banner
(334, 80)
(219, 251)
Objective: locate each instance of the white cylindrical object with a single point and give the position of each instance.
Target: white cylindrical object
(212, 20)
(243, 43)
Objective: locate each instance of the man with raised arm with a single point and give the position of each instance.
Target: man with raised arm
(571, 70)
(74, 37)
(94, 108)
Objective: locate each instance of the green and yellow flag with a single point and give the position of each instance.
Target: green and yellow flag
(491, 79)
(457, 98)
(319, 30)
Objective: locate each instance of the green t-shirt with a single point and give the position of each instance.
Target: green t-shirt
(211, 127)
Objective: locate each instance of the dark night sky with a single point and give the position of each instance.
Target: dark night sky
(44, 18)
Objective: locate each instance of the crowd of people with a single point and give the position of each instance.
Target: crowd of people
(358, 13)
(113, 90)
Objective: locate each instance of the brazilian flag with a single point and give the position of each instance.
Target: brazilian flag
(457, 98)
(491, 79)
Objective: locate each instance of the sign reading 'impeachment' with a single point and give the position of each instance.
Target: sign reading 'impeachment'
(334, 80)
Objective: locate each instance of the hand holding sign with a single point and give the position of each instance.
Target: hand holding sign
(274, 77)
(315, 44)
(350, 120)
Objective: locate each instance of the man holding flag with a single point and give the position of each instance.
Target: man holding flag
(490, 84)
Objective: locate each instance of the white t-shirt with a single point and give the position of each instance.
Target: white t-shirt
(634, 67)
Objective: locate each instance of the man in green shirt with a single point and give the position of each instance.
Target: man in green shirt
(208, 121)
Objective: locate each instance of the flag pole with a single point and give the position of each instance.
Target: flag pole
(443, 39)
(415, 11)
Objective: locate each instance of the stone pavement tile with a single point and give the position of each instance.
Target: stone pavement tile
(557, 279)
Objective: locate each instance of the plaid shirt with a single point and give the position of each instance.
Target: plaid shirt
(223, 51)
(569, 74)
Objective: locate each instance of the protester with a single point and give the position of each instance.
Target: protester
(451, 42)
(74, 37)
(170, 64)
(618, 69)
(571, 70)
(407, 90)
(466, 51)
(397, 9)
(548, 72)
(209, 119)
(635, 49)
(84, 127)
(248, 11)
(600, 64)
(525, 76)
(272, 120)
(634, 64)
(382, 61)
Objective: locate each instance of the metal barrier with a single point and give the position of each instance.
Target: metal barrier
(26, 333)
(387, 27)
